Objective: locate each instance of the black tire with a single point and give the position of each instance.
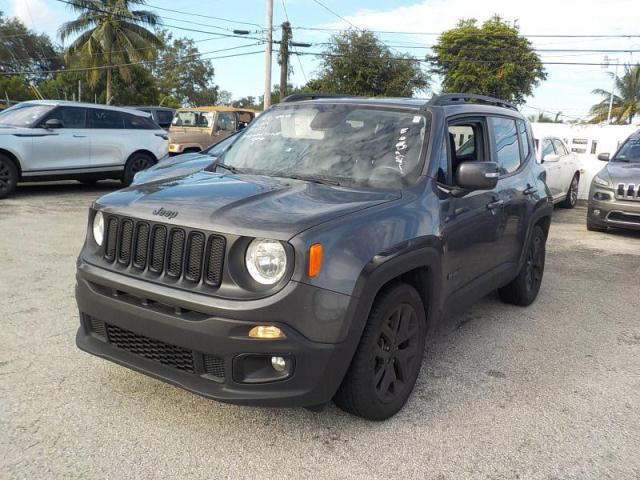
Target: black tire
(592, 227)
(8, 176)
(386, 364)
(524, 289)
(136, 163)
(572, 195)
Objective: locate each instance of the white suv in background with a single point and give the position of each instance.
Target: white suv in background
(563, 170)
(59, 140)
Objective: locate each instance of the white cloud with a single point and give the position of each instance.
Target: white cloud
(36, 15)
(567, 87)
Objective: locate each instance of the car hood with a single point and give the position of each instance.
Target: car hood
(11, 130)
(252, 205)
(622, 172)
(177, 166)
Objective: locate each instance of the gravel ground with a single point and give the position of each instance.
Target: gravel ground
(550, 392)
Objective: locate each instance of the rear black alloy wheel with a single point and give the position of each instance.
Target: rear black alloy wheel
(572, 195)
(8, 177)
(524, 289)
(135, 164)
(385, 367)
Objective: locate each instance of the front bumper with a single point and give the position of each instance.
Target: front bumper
(164, 337)
(613, 213)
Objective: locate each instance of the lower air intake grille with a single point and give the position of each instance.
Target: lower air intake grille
(170, 355)
(214, 366)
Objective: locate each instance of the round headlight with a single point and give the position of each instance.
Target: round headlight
(266, 261)
(98, 228)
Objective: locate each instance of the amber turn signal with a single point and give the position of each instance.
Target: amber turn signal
(267, 332)
(315, 259)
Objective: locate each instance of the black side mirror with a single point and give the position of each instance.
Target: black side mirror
(478, 175)
(603, 156)
(53, 123)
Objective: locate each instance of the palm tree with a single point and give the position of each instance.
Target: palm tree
(626, 98)
(110, 34)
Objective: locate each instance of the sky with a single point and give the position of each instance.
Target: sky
(567, 88)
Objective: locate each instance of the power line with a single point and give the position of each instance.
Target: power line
(198, 14)
(335, 13)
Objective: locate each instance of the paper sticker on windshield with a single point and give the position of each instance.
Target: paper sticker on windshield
(417, 118)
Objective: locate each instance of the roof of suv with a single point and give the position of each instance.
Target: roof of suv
(58, 103)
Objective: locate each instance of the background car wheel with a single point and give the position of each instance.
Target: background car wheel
(572, 195)
(524, 289)
(136, 163)
(8, 176)
(386, 364)
(592, 227)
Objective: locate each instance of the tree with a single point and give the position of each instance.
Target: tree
(357, 63)
(182, 73)
(542, 118)
(489, 60)
(110, 33)
(626, 103)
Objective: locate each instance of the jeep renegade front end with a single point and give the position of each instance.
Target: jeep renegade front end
(311, 261)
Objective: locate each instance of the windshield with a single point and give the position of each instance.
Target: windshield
(629, 152)
(345, 143)
(24, 114)
(192, 118)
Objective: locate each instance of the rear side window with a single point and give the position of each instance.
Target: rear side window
(506, 140)
(137, 122)
(106, 119)
(164, 117)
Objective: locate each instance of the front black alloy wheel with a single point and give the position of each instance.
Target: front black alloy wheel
(524, 289)
(8, 176)
(572, 195)
(385, 367)
(136, 163)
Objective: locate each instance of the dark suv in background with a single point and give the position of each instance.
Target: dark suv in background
(311, 261)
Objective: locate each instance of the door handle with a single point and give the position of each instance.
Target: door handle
(530, 190)
(79, 136)
(494, 205)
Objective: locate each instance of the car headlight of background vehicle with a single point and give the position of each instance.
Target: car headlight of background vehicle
(598, 180)
(98, 228)
(266, 261)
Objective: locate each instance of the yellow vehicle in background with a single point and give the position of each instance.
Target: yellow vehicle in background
(194, 129)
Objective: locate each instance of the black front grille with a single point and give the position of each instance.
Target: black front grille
(162, 251)
(165, 353)
(170, 355)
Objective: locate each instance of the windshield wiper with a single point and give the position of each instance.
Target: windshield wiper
(311, 178)
(230, 168)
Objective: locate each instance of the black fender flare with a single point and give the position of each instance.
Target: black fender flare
(544, 209)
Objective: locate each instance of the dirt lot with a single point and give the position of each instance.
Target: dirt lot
(550, 392)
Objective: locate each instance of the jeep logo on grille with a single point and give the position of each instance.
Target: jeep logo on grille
(161, 212)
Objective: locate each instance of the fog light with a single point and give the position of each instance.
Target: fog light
(279, 364)
(596, 212)
(267, 332)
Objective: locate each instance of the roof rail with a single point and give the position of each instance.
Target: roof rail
(457, 98)
(299, 97)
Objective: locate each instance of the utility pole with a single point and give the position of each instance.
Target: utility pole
(605, 64)
(283, 59)
(268, 41)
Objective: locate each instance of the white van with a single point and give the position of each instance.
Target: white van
(59, 140)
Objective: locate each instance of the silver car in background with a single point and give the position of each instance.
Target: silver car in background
(59, 140)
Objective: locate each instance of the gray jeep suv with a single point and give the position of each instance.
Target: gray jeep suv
(313, 259)
(614, 197)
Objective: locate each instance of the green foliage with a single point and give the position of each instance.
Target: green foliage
(109, 33)
(15, 88)
(181, 73)
(357, 63)
(626, 103)
(489, 60)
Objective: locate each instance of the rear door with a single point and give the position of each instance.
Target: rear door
(511, 149)
(566, 165)
(63, 150)
(551, 163)
(108, 138)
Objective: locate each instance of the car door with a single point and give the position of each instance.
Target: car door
(566, 165)
(62, 149)
(551, 163)
(470, 223)
(511, 149)
(109, 139)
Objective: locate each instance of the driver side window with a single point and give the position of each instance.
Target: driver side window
(464, 143)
